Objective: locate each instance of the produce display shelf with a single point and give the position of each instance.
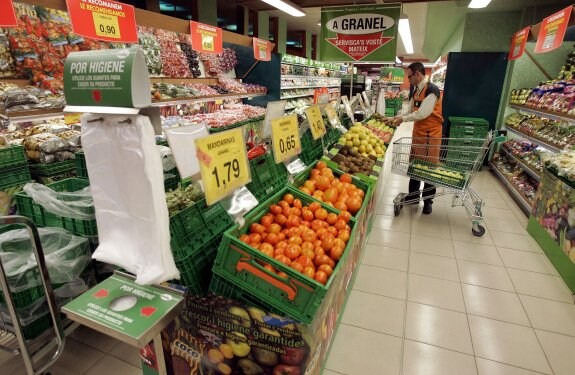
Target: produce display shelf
(307, 77)
(297, 96)
(534, 140)
(196, 99)
(309, 66)
(519, 198)
(543, 113)
(34, 115)
(306, 87)
(523, 165)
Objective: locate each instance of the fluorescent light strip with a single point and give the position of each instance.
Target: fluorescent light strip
(287, 7)
(405, 33)
(479, 3)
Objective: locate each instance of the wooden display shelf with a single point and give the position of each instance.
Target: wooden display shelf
(34, 115)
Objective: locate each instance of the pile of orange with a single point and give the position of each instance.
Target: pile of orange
(336, 192)
(307, 238)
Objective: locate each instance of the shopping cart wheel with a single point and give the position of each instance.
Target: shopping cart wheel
(480, 231)
(396, 209)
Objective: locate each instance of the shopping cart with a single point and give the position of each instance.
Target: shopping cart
(448, 163)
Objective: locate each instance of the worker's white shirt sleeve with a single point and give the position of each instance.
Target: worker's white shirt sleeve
(424, 110)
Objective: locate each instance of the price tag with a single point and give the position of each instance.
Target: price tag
(285, 137)
(262, 49)
(72, 118)
(273, 110)
(109, 20)
(316, 123)
(7, 14)
(223, 163)
(518, 43)
(206, 38)
(552, 31)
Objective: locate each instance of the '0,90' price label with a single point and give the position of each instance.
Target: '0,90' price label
(106, 25)
(223, 163)
(316, 123)
(285, 137)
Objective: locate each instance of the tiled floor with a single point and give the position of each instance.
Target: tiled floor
(429, 298)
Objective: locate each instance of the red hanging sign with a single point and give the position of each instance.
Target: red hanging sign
(103, 20)
(318, 93)
(262, 49)
(518, 43)
(206, 38)
(7, 14)
(553, 30)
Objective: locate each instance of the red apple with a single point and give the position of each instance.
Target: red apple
(286, 370)
(293, 356)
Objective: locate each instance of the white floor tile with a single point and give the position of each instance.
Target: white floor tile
(76, 359)
(365, 310)
(477, 253)
(434, 266)
(526, 261)
(357, 351)
(127, 353)
(435, 292)
(540, 285)
(431, 229)
(463, 233)
(431, 245)
(381, 281)
(439, 327)
(398, 240)
(498, 213)
(460, 220)
(381, 256)
(399, 223)
(386, 208)
(329, 372)
(494, 304)
(95, 339)
(506, 225)
(507, 343)
(487, 367)
(515, 241)
(423, 359)
(559, 350)
(484, 275)
(550, 315)
(113, 366)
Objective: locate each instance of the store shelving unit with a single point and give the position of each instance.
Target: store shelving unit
(519, 198)
(543, 113)
(530, 171)
(539, 142)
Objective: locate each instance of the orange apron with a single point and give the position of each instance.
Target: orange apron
(426, 143)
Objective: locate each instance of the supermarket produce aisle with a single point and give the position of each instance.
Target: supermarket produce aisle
(432, 299)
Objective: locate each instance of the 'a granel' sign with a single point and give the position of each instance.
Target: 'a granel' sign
(363, 32)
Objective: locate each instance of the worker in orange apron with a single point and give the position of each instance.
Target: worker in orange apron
(426, 113)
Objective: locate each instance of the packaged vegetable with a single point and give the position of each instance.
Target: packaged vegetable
(46, 142)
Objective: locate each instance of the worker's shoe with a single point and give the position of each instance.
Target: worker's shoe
(427, 208)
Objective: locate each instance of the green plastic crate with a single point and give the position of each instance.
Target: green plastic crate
(267, 176)
(53, 172)
(27, 207)
(468, 121)
(14, 177)
(12, 157)
(171, 179)
(433, 175)
(333, 135)
(192, 228)
(80, 161)
(311, 150)
(196, 268)
(296, 296)
(26, 297)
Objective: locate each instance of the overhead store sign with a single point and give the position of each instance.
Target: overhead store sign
(518, 43)
(262, 49)
(553, 30)
(7, 14)
(206, 38)
(392, 74)
(359, 33)
(103, 20)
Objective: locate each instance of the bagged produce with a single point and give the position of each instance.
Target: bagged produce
(76, 204)
(6, 61)
(45, 142)
(127, 183)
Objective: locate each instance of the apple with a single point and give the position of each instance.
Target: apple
(286, 370)
(293, 356)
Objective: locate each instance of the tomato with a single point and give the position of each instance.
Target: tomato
(297, 203)
(353, 205)
(281, 236)
(296, 240)
(256, 245)
(283, 275)
(245, 238)
(327, 242)
(280, 219)
(283, 204)
(309, 272)
(313, 206)
(336, 252)
(289, 198)
(272, 239)
(326, 268)
(321, 231)
(327, 173)
(270, 268)
(281, 244)
(340, 188)
(340, 224)
(309, 185)
(320, 214)
(321, 259)
(321, 165)
(309, 236)
(305, 190)
(343, 197)
(267, 220)
(330, 262)
(293, 251)
(307, 245)
(292, 221)
(274, 228)
(297, 266)
(267, 249)
(345, 216)
(286, 211)
(295, 211)
(346, 177)
(304, 260)
(318, 194)
(307, 224)
(279, 251)
(317, 243)
(283, 259)
(307, 214)
(330, 195)
(339, 242)
(255, 238)
(343, 235)
(275, 209)
(316, 225)
(320, 277)
(331, 218)
(257, 228)
(319, 251)
(314, 173)
(308, 253)
(332, 231)
(322, 183)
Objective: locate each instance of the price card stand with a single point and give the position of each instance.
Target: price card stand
(286, 144)
(134, 314)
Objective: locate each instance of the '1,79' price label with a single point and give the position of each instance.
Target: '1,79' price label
(285, 136)
(223, 163)
(316, 123)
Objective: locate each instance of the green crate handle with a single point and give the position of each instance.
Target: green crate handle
(264, 275)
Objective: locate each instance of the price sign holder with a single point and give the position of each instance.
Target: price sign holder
(273, 110)
(552, 31)
(262, 49)
(182, 142)
(286, 141)
(347, 107)
(206, 38)
(294, 166)
(224, 163)
(316, 124)
(239, 203)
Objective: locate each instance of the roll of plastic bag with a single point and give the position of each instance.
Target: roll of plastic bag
(127, 183)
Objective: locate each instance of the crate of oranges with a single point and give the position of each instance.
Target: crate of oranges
(287, 253)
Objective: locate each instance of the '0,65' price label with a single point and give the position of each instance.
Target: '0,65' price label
(285, 136)
(223, 163)
(316, 123)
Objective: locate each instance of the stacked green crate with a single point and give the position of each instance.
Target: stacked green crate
(14, 174)
(464, 129)
(53, 172)
(267, 176)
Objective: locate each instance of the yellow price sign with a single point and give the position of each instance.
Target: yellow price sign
(223, 163)
(72, 118)
(285, 137)
(316, 123)
(106, 25)
(207, 42)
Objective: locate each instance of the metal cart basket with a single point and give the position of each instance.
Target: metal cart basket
(448, 163)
